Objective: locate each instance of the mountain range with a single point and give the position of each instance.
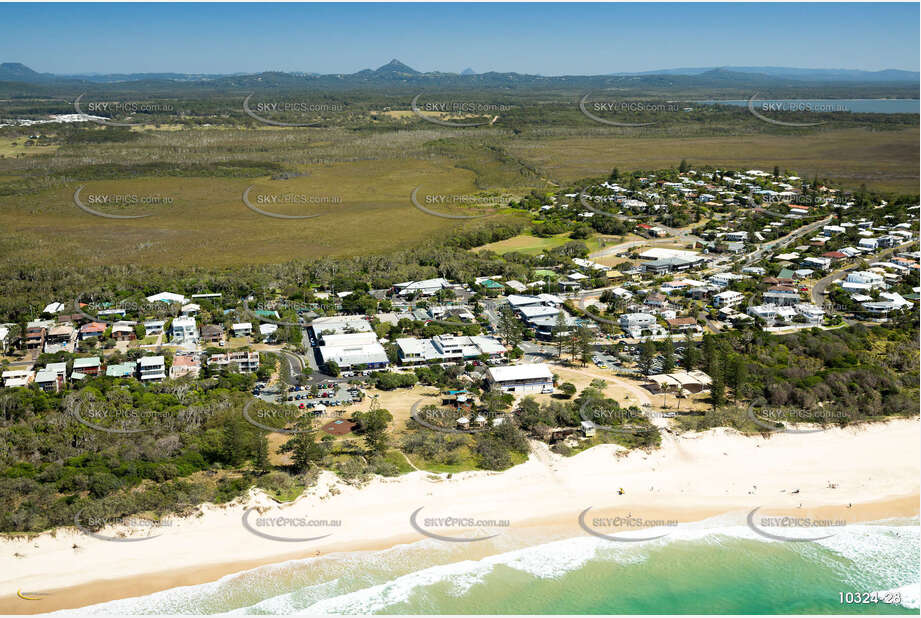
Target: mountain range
(396, 70)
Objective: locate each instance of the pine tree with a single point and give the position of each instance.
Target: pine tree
(303, 447)
(261, 455)
(559, 333)
(717, 387)
(233, 445)
(669, 362)
(691, 354)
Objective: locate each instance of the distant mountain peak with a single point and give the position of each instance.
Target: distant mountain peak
(16, 67)
(395, 66)
(468, 71)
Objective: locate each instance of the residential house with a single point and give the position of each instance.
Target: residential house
(244, 362)
(153, 327)
(683, 324)
(92, 329)
(242, 329)
(212, 333)
(185, 364)
(729, 298)
(151, 368)
(781, 295)
(87, 366)
(772, 314)
(184, 330)
(124, 331)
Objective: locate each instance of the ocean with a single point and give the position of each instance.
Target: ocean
(702, 568)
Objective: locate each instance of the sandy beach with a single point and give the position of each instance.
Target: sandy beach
(855, 474)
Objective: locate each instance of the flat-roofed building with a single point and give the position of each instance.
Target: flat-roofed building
(447, 348)
(340, 324)
(521, 379)
(351, 350)
(151, 368)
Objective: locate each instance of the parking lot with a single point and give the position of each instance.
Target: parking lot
(328, 394)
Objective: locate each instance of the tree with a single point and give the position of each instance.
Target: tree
(261, 455)
(669, 353)
(568, 389)
(776, 172)
(709, 353)
(509, 327)
(736, 375)
(559, 333)
(717, 387)
(584, 338)
(303, 446)
(647, 354)
(615, 175)
(332, 367)
(373, 426)
(683, 167)
(691, 355)
(233, 442)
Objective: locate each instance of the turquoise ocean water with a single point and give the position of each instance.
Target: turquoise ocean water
(700, 568)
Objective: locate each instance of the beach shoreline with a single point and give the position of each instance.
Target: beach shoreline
(853, 474)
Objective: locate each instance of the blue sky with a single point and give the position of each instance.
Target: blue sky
(549, 39)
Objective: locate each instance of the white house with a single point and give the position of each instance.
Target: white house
(167, 297)
(866, 277)
(729, 298)
(151, 368)
(242, 329)
(153, 327)
(521, 379)
(813, 314)
(772, 313)
(184, 330)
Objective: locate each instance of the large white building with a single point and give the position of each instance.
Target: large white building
(521, 379)
(350, 350)
(340, 325)
(447, 348)
(427, 287)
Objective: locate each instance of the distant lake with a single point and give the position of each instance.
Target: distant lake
(873, 106)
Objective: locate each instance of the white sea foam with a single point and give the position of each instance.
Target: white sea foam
(880, 552)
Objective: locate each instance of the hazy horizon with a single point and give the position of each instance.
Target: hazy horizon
(548, 39)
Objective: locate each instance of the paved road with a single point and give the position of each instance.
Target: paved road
(822, 284)
(782, 242)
